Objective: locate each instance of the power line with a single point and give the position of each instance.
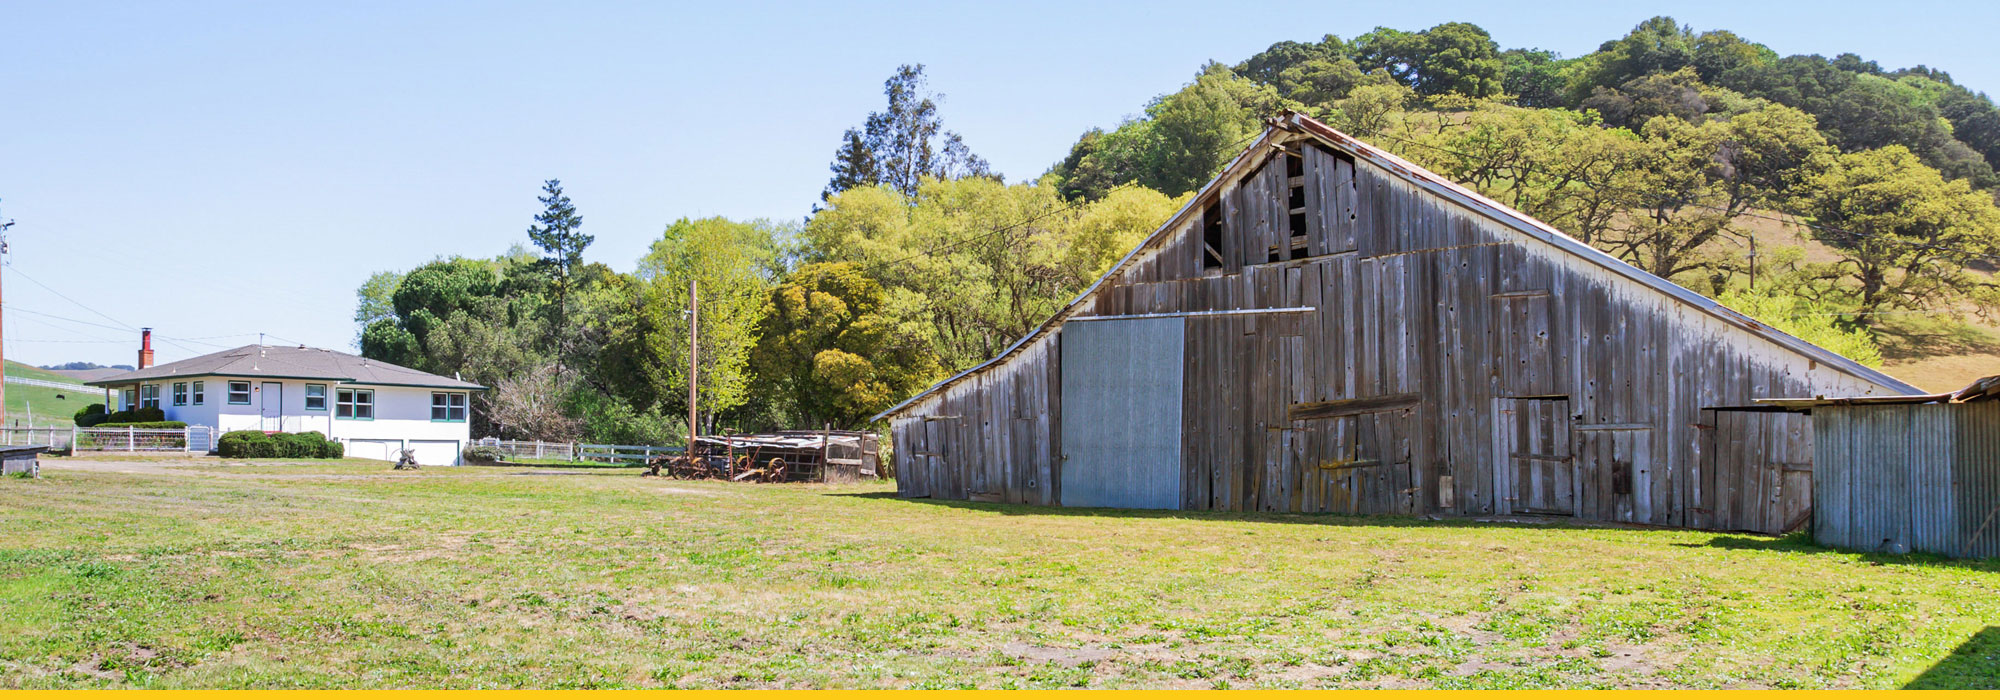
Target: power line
(11, 307)
(65, 297)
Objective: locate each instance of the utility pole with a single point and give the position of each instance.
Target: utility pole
(4, 225)
(694, 365)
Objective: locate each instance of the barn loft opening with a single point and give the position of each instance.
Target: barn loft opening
(1295, 203)
(1211, 237)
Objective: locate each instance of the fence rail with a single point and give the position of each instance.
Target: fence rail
(131, 440)
(625, 453)
(535, 449)
(57, 439)
(52, 384)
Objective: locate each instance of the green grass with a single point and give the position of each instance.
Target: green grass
(198, 576)
(48, 409)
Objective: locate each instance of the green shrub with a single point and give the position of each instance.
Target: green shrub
(89, 416)
(256, 443)
(484, 454)
(94, 416)
(237, 444)
(150, 425)
(299, 445)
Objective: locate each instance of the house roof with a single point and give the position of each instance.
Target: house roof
(1292, 123)
(282, 362)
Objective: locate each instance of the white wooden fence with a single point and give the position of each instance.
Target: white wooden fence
(574, 451)
(52, 384)
(195, 438)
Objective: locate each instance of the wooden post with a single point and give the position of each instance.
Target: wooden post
(694, 366)
(825, 448)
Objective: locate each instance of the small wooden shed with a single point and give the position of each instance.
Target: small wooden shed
(1902, 474)
(26, 459)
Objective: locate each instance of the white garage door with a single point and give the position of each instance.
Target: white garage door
(436, 453)
(373, 449)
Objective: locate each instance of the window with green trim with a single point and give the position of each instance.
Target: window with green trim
(180, 393)
(149, 396)
(315, 397)
(239, 393)
(197, 393)
(447, 406)
(354, 404)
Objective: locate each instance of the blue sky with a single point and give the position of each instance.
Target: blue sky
(216, 170)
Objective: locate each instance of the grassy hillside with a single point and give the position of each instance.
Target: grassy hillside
(50, 406)
(1930, 350)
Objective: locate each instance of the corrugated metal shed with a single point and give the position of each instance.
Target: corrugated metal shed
(1902, 474)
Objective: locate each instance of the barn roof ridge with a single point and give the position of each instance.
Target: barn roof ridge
(1291, 122)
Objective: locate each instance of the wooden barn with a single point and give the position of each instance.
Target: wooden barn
(1326, 327)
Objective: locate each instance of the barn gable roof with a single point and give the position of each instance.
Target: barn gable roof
(1292, 126)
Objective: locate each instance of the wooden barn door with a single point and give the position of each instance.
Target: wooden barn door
(1531, 442)
(1756, 470)
(1121, 412)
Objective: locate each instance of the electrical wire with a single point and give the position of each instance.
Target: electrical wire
(65, 297)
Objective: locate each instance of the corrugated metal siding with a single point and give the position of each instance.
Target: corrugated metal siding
(1121, 424)
(1976, 466)
(1902, 478)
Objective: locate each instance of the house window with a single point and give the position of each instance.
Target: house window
(447, 406)
(197, 393)
(180, 393)
(315, 397)
(239, 393)
(149, 396)
(354, 404)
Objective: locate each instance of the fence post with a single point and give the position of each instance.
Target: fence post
(72, 440)
(131, 439)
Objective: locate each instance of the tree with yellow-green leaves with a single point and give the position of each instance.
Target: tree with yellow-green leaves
(981, 262)
(1903, 232)
(735, 263)
(836, 350)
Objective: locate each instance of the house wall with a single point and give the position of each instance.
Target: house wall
(1385, 394)
(401, 413)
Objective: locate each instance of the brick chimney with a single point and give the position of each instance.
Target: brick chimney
(145, 348)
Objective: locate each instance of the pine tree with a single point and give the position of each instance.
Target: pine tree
(558, 231)
(903, 144)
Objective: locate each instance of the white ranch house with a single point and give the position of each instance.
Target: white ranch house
(373, 407)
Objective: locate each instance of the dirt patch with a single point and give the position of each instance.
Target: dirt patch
(1066, 657)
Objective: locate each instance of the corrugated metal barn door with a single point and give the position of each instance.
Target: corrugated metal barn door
(1121, 413)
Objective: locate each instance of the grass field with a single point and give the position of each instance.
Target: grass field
(269, 574)
(51, 406)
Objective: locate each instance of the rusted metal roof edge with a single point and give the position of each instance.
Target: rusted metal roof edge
(1231, 172)
(1537, 229)
(1979, 390)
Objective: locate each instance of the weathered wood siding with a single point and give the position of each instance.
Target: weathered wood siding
(1386, 396)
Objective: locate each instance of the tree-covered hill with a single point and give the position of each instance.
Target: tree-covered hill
(1661, 68)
